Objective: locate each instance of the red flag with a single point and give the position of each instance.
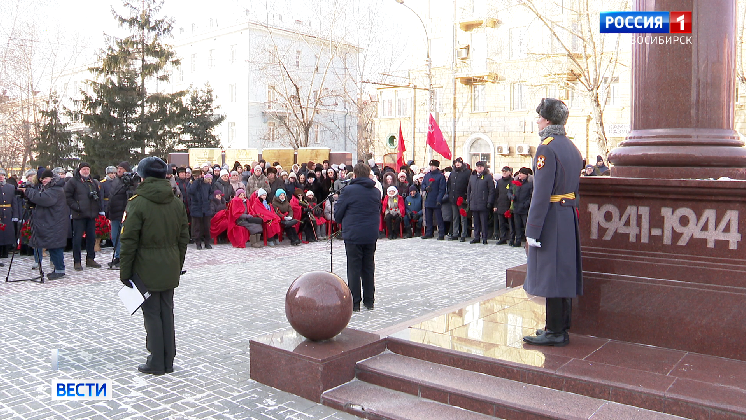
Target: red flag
(402, 149)
(435, 139)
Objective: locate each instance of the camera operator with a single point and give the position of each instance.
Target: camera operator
(10, 211)
(122, 188)
(84, 199)
(50, 219)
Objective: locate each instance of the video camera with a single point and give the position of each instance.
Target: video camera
(130, 178)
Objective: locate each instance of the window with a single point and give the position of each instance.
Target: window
(231, 132)
(518, 99)
(211, 59)
(612, 92)
(194, 63)
(518, 48)
(271, 131)
(233, 53)
(232, 91)
(297, 59)
(402, 104)
(478, 100)
(387, 107)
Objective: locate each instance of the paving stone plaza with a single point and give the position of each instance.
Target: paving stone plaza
(227, 297)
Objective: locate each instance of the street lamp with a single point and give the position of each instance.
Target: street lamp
(430, 91)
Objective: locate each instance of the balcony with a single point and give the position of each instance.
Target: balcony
(479, 73)
(468, 24)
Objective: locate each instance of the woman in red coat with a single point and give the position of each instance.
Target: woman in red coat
(258, 207)
(392, 211)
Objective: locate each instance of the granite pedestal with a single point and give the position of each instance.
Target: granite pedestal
(289, 362)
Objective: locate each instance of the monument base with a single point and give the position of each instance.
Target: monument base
(289, 362)
(664, 263)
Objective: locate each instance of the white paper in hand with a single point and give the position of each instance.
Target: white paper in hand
(131, 298)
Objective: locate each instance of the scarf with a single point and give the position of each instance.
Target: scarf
(552, 130)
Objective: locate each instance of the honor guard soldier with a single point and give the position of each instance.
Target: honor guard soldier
(552, 233)
(9, 213)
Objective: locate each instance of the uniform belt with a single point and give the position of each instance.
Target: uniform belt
(106, 199)
(558, 198)
(5, 205)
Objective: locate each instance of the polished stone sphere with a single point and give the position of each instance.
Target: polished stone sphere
(318, 305)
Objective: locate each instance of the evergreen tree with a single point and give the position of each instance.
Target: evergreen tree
(126, 122)
(200, 120)
(54, 145)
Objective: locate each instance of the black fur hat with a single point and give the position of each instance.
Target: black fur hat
(553, 110)
(152, 167)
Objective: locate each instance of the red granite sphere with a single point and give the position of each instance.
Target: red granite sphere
(318, 305)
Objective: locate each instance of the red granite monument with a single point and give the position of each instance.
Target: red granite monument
(663, 254)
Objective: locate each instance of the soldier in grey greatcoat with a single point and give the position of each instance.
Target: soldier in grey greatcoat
(552, 233)
(10, 212)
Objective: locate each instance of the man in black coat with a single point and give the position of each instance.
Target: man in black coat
(521, 197)
(358, 210)
(458, 182)
(50, 220)
(481, 194)
(86, 203)
(200, 191)
(434, 184)
(121, 189)
(504, 226)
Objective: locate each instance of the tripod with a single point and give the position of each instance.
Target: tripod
(40, 277)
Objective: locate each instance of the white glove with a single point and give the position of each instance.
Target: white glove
(102, 213)
(288, 218)
(15, 219)
(533, 242)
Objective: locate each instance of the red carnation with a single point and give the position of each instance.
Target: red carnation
(2, 226)
(460, 201)
(462, 212)
(431, 179)
(517, 183)
(508, 214)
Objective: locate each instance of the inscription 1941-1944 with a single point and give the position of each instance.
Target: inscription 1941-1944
(711, 225)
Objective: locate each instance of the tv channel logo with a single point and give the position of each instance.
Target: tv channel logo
(646, 22)
(81, 389)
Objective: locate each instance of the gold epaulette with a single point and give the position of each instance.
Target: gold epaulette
(132, 197)
(547, 140)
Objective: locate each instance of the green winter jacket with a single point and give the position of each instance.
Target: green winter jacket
(155, 234)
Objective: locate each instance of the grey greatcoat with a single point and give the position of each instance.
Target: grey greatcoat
(9, 210)
(51, 218)
(554, 270)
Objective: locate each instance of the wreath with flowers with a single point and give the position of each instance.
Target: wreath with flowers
(516, 183)
(463, 207)
(103, 227)
(25, 230)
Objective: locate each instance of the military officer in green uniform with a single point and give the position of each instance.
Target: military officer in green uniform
(154, 238)
(552, 233)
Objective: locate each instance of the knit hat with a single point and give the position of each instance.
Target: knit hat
(224, 172)
(206, 164)
(83, 165)
(38, 172)
(283, 173)
(234, 173)
(29, 173)
(392, 191)
(553, 110)
(218, 192)
(524, 171)
(402, 174)
(599, 159)
(589, 166)
(260, 192)
(125, 165)
(458, 159)
(240, 191)
(152, 167)
(292, 175)
(67, 175)
(508, 169)
(257, 167)
(280, 191)
(309, 193)
(412, 188)
(45, 174)
(208, 176)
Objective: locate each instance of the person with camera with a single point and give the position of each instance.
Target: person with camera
(156, 223)
(84, 199)
(358, 210)
(122, 188)
(50, 219)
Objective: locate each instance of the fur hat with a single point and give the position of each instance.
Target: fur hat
(524, 171)
(260, 192)
(435, 163)
(508, 169)
(152, 167)
(45, 173)
(298, 191)
(271, 170)
(29, 173)
(553, 110)
(111, 170)
(480, 163)
(125, 165)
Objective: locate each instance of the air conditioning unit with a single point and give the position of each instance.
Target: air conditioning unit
(523, 149)
(462, 53)
(503, 149)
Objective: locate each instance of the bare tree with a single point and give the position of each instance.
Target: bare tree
(587, 61)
